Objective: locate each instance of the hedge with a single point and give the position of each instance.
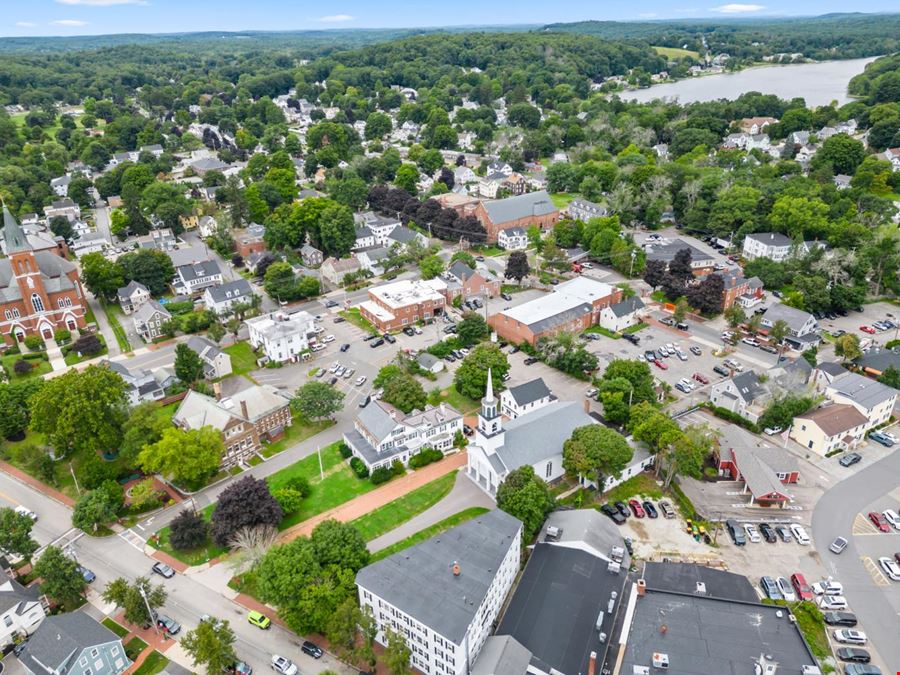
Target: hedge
(383, 474)
(425, 457)
(728, 416)
(345, 451)
(359, 468)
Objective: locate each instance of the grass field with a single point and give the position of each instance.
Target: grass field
(561, 199)
(297, 432)
(676, 53)
(386, 518)
(464, 404)
(72, 357)
(153, 664)
(243, 360)
(194, 556)
(353, 316)
(115, 627)
(113, 314)
(39, 367)
(430, 532)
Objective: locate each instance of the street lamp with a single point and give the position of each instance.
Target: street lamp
(149, 611)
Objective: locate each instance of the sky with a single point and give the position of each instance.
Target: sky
(98, 17)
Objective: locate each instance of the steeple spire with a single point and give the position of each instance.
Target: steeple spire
(489, 393)
(13, 234)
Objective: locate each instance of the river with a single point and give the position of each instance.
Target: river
(818, 83)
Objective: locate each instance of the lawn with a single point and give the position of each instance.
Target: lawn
(134, 648)
(153, 664)
(115, 627)
(676, 53)
(643, 484)
(353, 316)
(430, 532)
(464, 404)
(113, 313)
(39, 367)
(561, 199)
(387, 517)
(488, 250)
(600, 330)
(243, 360)
(194, 556)
(297, 432)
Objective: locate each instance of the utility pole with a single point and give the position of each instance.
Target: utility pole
(321, 470)
(149, 611)
(72, 471)
(633, 256)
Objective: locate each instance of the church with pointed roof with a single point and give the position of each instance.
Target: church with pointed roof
(40, 292)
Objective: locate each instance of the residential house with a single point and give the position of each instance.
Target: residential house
(802, 326)
(401, 303)
(842, 181)
(764, 468)
(191, 279)
(872, 398)
(755, 125)
(60, 186)
(282, 337)
(334, 270)
(252, 260)
(245, 418)
(74, 644)
(148, 320)
(90, 242)
(512, 239)
(21, 610)
(221, 299)
(445, 594)
(877, 360)
(132, 296)
(525, 398)
(468, 283)
(573, 307)
(771, 245)
(206, 164)
(621, 315)
(429, 363)
(463, 175)
(666, 250)
(216, 363)
(382, 434)
(365, 238)
(155, 149)
(372, 259)
(64, 208)
(832, 427)
(533, 208)
(489, 185)
(379, 226)
(742, 394)
(824, 374)
(584, 210)
(207, 226)
(140, 384)
(312, 257)
(401, 236)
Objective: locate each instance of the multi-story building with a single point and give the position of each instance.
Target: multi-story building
(776, 246)
(833, 427)
(512, 239)
(701, 262)
(525, 398)
(222, 298)
(334, 270)
(622, 314)
(216, 363)
(584, 210)
(444, 594)
(21, 610)
(149, 319)
(39, 291)
(742, 394)
(403, 303)
(464, 281)
(140, 384)
(132, 296)
(383, 435)
(190, 279)
(74, 644)
(64, 208)
(281, 336)
(532, 208)
(802, 326)
(872, 398)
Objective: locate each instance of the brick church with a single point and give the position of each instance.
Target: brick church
(40, 292)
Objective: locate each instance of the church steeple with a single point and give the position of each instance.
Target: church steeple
(13, 235)
(489, 422)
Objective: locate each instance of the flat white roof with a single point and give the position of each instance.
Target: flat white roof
(564, 297)
(409, 292)
(376, 310)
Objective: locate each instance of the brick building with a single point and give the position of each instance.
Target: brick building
(39, 291)
(403, 303)
(533, 208)
(463, 281)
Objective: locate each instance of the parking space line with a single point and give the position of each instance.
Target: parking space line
(875, 571)
(862, 526)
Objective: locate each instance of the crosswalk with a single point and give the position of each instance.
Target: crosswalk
(133, 539)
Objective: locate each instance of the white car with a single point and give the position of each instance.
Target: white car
(360, 381)
(417, 330)
(786, 589)
(828, 587)
(771, 431)
(890, 567)
(893, 437)
(849, 636)
(25, 511)
(317, 347)
(334, 367)
(752, 533)
(892, 517)
(800, 534)
(328, 338)
(283, 665)
(833, 602)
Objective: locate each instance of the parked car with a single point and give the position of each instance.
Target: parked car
(840, 618)
(867, 329)
(787, 591)
(696, 351)
(770, 588)
(467, 430)
(892, 517)
(25, 511)
(650, 509)
(163, 570)
(784, 533)
(86, 574)
(312, 649)
(345, 346)
(768, 533)
(390, 338)
(239, 668)
(360, 381)
(366, 401)
(168, 624)
(861, 669)
(800, 534)
(752, 533)
(701, 378)
(880, 438)
(666, 508)
(879, 522)
(798, 581)
(659, 364)
(259, 619)
(531, 360)
(613, 514)
(832, 602)
(736, 533)
(333, 380)
(284, 665)
(853, 655)
(721, 370)
(828, 587)
(506, 296)
(850, 636)
(622, 508)
(409, 331)
(771, 431)
(376, 343)
(890, 567)
(850, 459)
(339, 319)
(636, 508)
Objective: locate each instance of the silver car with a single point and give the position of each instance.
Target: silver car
(838, 545)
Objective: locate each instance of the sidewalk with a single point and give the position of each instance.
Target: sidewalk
(370, 501)
(35, 484)
(103, 325)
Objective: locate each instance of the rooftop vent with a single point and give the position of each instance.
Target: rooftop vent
(701, 588)
(552, 532)
(660, 661)
(456, 569)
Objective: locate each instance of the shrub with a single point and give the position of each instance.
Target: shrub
(288, 499)
(34, 342)
(359, 468)
(734, 418)
(22, 367)
(299, 484)
(345, 451)
(62, 335)
(188, 530)
(88, 345)
(13, 349)
(381, 475)
(178, 308)
(39, 356)
(425, 457)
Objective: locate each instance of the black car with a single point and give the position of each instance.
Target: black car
(390, 338)
(366, 401)
(345, 346)
(721, 370)
(633, 339)
(369, 338)
(768, 533)
(847, 619)
(339, 319)
(650, 509)
(333, 381)
(853, 654)
(622, 507)
(377, 343)
(312, 649)
(409, 331)
(467, 430)
(531, 360)
(613, 514)
(450, 358)
(163, 570)
(506, 296)
(450, 329)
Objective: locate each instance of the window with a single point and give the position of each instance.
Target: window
(8, 315)
(16, 312)
(94, 653)
(549, 470)
(7, 621)
(37, 302)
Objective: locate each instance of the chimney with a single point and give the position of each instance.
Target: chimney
(641, 588)
(443, 408)
(244, 410)
(217, 390)
(456, 569)
(592, 665)
(587, 404)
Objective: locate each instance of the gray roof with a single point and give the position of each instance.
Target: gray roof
(862, 390)
(420, 581)
(521, 206)
(308, 249)
(13, 234)
(363, 231)
(514, 231)
(146, 311)
(529, 392)
(126, 292)
(13, 594)
(879, 359)
(831, 368)
(233, 290)
(540, 434)
(683, 578)
(206, 268)
(378, 420)
(402, 234)
(748, 385)
(758, 474)
(502, 655)
(666, 252)
(61, 638)
(370, 454)
(771, 239)
(461, 270)
(793, 317)
(427, 360)
(586, 529)
(627, 306)
(206, 349)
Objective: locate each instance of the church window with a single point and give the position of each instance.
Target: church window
(37, 302)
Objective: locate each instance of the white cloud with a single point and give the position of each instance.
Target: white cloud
(101, 3)
(336, 18)
(69, 22)
(26, 24)
(737, 8)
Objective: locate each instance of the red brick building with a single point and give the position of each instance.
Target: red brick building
(739, 289)
(404, 303)
(533, 208)
(463, 281)
(40, 292)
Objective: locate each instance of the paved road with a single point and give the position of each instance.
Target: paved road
(54, 519)
(875, 602)
(101, 222)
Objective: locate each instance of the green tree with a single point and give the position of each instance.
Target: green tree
(844, 153)
(472, 329)
(211, 644)
(800, 217)
(377, 126)
(596, 453)
(337, 233)
(185, 456)
(638, 374)
(102, 276)
(118, 226)
(848, 346)
(344, 629)
(15, 534)
(405, 392)
(150, 267)
(615, 395)
(188, 366)
(735, 316)
(98, 507)
(778, 332)
(524, 495)
(396, 653)
(144, 427)
(431, 266)
(471, 376)
(890, 377)
(315, 400)
(60, 578)
(681, 309)
(406, 178)
(127, 595)
(81, 411)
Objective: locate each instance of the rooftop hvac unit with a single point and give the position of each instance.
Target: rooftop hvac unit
(553, 532)
(617, 553)
(660, 661)
(701, 588)
(599, 623)
(640, 670)
(811, 670)
(611, 605)
(613, 567)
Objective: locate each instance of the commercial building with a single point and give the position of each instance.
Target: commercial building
(832, 427)
(444, 594)
(526, 210)
(573, 307)
(872, 398)
(401, 303)
(281, 336)
(765, 469)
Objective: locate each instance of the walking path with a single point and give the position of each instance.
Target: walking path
(370, 501)
(103, 324)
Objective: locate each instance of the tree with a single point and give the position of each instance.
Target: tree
(472, 329)
(62, 227)
(735, 316)
(471, 376)
(188, 366)
(60, 577)
(15, 534)
(186, 456)
(680, 267)
(144, 494)
(848, 346)
(890, 377)
(102, 276)
(144, 427)
(615, 395)
(377, 126)
(211, 644)
(637, 373)
(81, 411)
(150, 267)
(315, 400)
(126, 595)
(245, 503)
(778, 332)
(405, 392)
(118, 225)
(655, 273)
(431, 266)
(681, 308)
(517, 266)
(337, 543)
(708, 295)
(596, 453)
(15, 410)
(406, 178)
(396, 653)
(524, 495)
(345, 626)
(844, 153)
(188, 530)
(781, 412)
(337, 233)
(98, 507)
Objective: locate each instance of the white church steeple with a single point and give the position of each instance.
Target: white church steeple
(490, 427)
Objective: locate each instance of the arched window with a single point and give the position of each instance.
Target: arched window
(37, 302)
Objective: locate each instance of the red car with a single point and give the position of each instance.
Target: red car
(867, 329)
(701, 378)
(879, 521)
(636, 508)
(659, 364)
(804, 592)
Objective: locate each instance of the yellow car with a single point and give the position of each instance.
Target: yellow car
(259, 619)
